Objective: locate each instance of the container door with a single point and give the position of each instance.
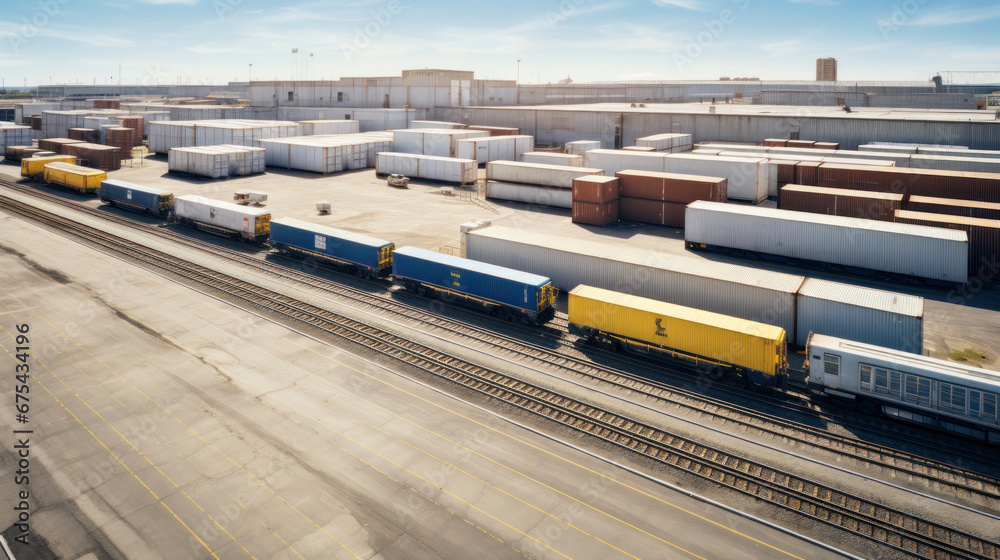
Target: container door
(246, 225)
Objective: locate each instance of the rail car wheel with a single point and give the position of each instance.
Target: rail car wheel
(869, 407)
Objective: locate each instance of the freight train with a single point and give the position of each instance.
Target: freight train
(138, 198)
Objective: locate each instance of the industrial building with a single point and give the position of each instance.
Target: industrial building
(826, 69)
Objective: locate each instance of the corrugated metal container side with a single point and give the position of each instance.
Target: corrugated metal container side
(57, 144)
(495, 283)
(595, 214)
(747, 179)
(748, 293)
(83, 179)
(800, 143)
(655, 212)
(35, 166)
(557, 197)
(690, 331)
(342, 245)
(917, 251)
(133, 195)
(537, 173)
(806, 173)
(661, 142)
(827, 145)
(840, 202)
(887, 319)
(912, 149)
(955, 207)
(316, 127)
(495, 148)
(250, 223)
(983, 187)
(451, 170)
(17, 153)
(638, 149)
(581, 147)
(432, 142)
(97, 156)
(435, 124)
(596, 189)
(672, 187)
(552, 158)
(975, 165)
(775, 142)
(613, 161)
(497, 130)
(984, 237)
(959, 152)
(327, 153)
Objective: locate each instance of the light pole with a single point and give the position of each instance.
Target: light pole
(518, 79)
(249, 73)
(312, 67)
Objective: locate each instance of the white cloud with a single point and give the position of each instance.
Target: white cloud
(953, 17)
(686, 4)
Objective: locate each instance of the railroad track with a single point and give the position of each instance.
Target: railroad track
(821, 503)
(980, 487)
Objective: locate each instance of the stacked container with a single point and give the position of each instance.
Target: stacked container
(595, 200)
(85, 135)
(581, 147)
(317, 127)
(17, 153)
(97, 156)
(552, 158)
(984, 187)
(433, 142)
(216, 162)
(666, 142)
(451, 170)
(660, 198)
(123, 138)
(984, 236)
(327, 153)
(775, 142)
(17, 136)
(840, 202)
(164, 135)
(57, 144)
(495, 148)
(496, 130)
(954, 207)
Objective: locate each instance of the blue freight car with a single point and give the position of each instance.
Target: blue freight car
(137, 198)
(368, 256)
(498, 290)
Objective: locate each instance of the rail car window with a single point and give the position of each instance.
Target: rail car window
(866, 378)
(983, 406)
(953, 398)
(831, 364)
(887, 382)
(917, 390)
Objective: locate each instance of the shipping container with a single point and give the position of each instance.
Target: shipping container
(645, 149)
(97, 156)
(800, 143)
(317, 127)
(671, 187)
(217, 162)
(450, 170)
(137, 198)
(124, 139)
(368, 255)
(840, 202)
(56, 144)
(17, 136)
(983, 235)
(684, 332)
(613, 161)
(898, 149)
(878, 317)
(557, 197)
(748, 293)
(17, 153)
(164, 135)
(433, 142)
(223, 218)
(952, 163)
(497, 130)
(81, 179)
(595, 213)
(495, 148)
(786, 170)
(775, 142)
(537, 173)
(826, 145)
(665, 142)
(34, 167)
(955, 207)
(436, 124)
(655, 212)
(553, 158)
(327, 153)
(529, 295)
(747, 179)
(960, 152)
(581, 147)
(908, 250)
(596, 189)
(984, 187)
(806, 173)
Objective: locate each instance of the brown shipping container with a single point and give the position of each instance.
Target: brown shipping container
(122, 138)
(595, 189)
(775, 142)
(652, 211)
(806, 173)
(984, 238)
(826, 145)
(786, 170)
(107, 104)
(595, 214)
(954, 207)
(136, 124)
(800, 143)
(57, 145)
(17, 153)
(908, 181)
(840, 202)
(36, 122)
(96, 156)
(671, 187)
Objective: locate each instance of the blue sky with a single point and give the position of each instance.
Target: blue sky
(202, 41)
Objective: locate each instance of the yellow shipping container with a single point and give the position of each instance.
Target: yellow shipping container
(35, 166)
(83, 179)
(642, 323)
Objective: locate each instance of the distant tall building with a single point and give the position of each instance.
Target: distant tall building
(826, 69)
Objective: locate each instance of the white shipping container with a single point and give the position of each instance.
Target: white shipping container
(537, 173)
(217, 161)
(613, 161)
(316, 127)
(887, 319)
(452, 170)
(17, 135)
(581, 147)
(432, 142)
(959, 152)
(665, 142)
(747, 178)
(327, 154)
(542, 196)
(495, 148)
(552, 158)
(164, 135)
(218, 213)
(435, 124)
(920, 251)
(748, 293)
(895, 149)
(953, 163)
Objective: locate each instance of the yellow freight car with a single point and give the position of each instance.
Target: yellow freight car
(34, 167)
(755, 351)
(75, 177)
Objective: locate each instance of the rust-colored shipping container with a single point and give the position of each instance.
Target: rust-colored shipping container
(840, 202)
(826, 145)
(136, 124)
(36, 122)
(57, 145)
(984, 238)
(107, 104)
(908, 181)
(800, 143)
(496, 130)
(806, 173)
(775, 142)
(85, 135)
(652, 211)
(96, 156)
(671, 187)
(639, 148)
(595, 189)
(595, 214)
(122, 138)
(786, 170)
(954, 207)
(17, 153)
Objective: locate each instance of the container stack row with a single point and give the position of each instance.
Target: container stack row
(216, 162)
(595, 200)
(534, 183)
(660, 198)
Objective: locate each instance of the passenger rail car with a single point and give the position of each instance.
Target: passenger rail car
(931, 392)
(223, 218)
(502, 291)
(138, 198)
(655, 327)
(368, 256)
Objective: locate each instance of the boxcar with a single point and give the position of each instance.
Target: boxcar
(34, 167)
(137, 198)
(83, 180)
(368, 256)
(502, 291)
(931, 392)
(754, 351)
(223, 218)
